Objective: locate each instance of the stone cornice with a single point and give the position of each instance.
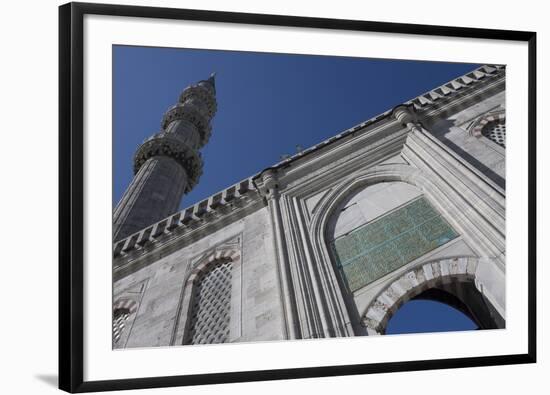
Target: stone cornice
(451, 89)
(188, 225)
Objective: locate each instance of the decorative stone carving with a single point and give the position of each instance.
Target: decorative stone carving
(404, 115)
(191, 113)
(268, 183)
(164, 144)
(201, 93)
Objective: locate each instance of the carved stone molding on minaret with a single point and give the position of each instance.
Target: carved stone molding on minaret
(163, 144)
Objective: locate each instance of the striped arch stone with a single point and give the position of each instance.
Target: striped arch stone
(125, 304)
(123, 313)
(415, 281)
(477, 129)
(225, 254)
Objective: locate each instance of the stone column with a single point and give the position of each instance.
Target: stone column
(168, 164)
(269, 187)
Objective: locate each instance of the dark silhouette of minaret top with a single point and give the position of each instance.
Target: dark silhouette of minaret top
(168, 164)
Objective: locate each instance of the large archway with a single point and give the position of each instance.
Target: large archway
(450, 281)
(342, 315)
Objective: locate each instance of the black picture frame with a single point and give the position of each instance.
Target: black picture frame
(71, 198)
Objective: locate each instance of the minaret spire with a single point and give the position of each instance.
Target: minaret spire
(168, 164)
(212, 80)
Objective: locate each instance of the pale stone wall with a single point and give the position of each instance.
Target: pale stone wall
(260, 315)
(455, 132)
(370, 203)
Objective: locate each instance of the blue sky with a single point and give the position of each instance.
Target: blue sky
(267, 104)
(420, 316)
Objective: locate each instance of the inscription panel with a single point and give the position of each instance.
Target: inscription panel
(379, 247)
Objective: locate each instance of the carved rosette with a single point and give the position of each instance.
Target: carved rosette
(163, 144)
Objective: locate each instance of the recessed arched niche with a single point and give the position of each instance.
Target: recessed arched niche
(382, 227)
(389, 244)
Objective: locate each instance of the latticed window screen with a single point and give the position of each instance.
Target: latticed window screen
(496, 131)
(120, 317)
(211, 305)
(389, 242)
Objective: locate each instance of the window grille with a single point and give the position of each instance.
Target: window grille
(120, 317)
(210, 305)
(496, 132)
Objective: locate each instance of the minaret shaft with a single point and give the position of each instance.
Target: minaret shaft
(154, 193)
(168, 164)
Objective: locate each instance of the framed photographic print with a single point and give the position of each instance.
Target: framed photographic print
(251, 197)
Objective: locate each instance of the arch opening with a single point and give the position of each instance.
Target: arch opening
(456, 290)
(453, 306)
(425, 316)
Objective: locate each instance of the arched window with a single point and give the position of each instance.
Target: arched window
(120, 316)
(491, 126)
(211, 305)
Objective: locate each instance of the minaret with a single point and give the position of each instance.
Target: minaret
(168, 164)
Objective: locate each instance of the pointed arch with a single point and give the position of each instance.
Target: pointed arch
(495, 116)
(425, 276)
(124, 310)
(214, 278)
(465, 215)
(224, 254)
